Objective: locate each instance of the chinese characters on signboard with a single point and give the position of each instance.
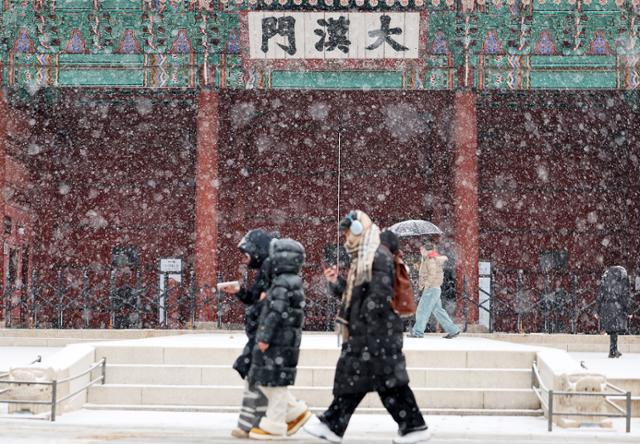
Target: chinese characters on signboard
(333, 35)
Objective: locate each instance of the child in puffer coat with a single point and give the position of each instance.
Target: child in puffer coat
(275, 355)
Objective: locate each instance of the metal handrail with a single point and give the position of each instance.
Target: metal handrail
(615, 406)
(71, 395)
(616, 388)
(26, 382)
(79, 375)
(551, 393)
(54, 387)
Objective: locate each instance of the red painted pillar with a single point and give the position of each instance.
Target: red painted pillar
(206, 223)
(5, 112)
(4, 116)
(466, 199)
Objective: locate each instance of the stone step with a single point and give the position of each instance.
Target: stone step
(635, 405)
(320, 397)
(312, 376)
(632, 385)
(444, 358)
(316, 410)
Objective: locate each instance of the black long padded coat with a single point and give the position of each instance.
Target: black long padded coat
(371, 359)
(281, 319)
(613, 300)
(256, 245)
(251, 298)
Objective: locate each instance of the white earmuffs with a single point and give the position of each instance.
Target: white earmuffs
(356, 226)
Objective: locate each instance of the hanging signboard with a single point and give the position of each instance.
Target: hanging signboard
(333, 35)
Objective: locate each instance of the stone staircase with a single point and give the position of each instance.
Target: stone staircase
(465, 376)
(631, 384)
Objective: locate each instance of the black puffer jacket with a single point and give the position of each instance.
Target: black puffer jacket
(256, 244)
(281, 319)
(372, 358)
(613, 300)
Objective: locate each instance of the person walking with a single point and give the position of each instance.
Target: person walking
(255, 248)
(430, 281)
(613, 303)
(275, 356)
(371, 358)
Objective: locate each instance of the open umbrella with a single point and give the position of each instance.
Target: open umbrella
(414, 227)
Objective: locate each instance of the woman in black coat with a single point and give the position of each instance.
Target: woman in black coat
(371, 357)
(613, 305)
(255, 246)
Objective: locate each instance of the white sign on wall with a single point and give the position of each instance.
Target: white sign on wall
(170, 265)
(333, 35)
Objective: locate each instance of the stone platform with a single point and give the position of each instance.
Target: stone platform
(473, 374)
(466, 375)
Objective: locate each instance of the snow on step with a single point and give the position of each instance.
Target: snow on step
(318, 397)
(316, 350)
(194, 372)
(224, 375)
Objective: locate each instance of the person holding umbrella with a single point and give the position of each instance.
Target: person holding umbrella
(430, 281)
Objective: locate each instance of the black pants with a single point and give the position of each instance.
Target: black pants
(613, 342)
(399, 402)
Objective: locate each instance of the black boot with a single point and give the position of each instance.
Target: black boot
(613, 345)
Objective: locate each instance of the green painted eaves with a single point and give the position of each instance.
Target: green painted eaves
(123, 43)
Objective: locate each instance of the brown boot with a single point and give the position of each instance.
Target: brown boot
(296, 424)
(263, 435)
(239, 433)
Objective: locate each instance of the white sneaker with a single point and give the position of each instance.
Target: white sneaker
(320, 430)
(416, 437)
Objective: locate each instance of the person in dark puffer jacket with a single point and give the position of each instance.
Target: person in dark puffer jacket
(275, 356)
(371, 358)
(613, 303)
(255, 246)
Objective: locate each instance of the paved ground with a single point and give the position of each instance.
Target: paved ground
(122, 427)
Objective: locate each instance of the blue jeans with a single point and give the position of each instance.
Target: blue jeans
(430, 303)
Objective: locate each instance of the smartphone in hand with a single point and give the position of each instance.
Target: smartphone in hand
(229, 287)
(330, 272)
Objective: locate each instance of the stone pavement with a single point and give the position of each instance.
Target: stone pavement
(145, 427)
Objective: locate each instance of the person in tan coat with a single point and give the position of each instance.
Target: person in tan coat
(430, 280)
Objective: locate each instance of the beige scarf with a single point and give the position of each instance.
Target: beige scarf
(362, 250)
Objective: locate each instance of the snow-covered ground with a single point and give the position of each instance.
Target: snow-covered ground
(181, 427)
(627, 366)
(321, 341)
(17, 356)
